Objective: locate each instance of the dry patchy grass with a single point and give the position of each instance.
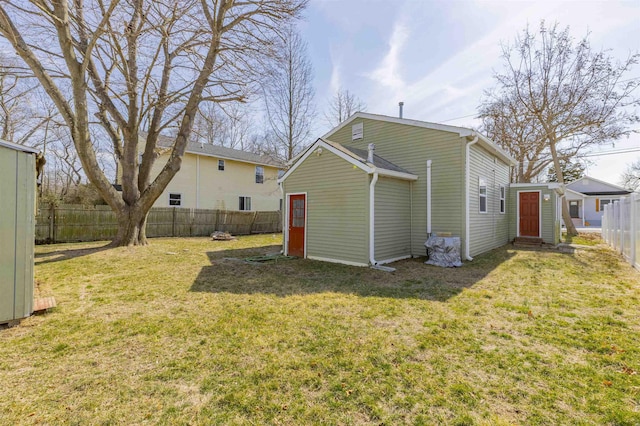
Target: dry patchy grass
(178, 333)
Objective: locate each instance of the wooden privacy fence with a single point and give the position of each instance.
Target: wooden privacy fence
(621, 227)
(70, 223)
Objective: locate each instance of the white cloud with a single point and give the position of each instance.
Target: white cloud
(388, 73)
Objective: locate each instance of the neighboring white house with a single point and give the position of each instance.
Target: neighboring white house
(587, 197)
(216, 177)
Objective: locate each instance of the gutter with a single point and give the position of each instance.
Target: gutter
(428, 198)
(467, 174)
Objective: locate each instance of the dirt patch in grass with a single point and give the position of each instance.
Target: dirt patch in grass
(177, 333)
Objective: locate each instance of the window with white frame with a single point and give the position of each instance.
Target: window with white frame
(604, 203)
(503, 199)
(221, 165)
(259, 174)
(175, 200)
(482, 193)
(244, 203)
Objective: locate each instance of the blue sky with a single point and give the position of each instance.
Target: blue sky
(439, 56)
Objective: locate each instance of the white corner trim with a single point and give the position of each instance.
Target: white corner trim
(343, 262)
(467, 207)
(429, 198)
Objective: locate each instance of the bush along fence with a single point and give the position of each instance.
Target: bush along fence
(621, 227)
(71, 223)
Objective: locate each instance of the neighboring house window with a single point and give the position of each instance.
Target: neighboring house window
(259, 174)
(503, 197)
(280, 204)
(175, 200)
(604, 203)
(244, 204)
(482, 186)
(221, 165)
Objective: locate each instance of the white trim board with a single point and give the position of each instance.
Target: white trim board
(343, 262)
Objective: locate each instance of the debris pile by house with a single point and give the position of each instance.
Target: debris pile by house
(443, 251)
(222, 236)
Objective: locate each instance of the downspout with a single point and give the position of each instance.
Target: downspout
(411, 218)
(428, 198)
(285, 224)
(467, 176)
(372, 218)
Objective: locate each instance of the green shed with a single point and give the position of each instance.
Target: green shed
(17, 228)
(537, 212)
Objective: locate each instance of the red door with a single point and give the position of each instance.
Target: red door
(529, 214)
(297, 214)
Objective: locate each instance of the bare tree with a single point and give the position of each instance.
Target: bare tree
(141, 65)
(571, 96)
(343, 105)
(630, 178)
(289, 95)
(22, 114)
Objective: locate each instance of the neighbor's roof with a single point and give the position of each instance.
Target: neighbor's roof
(357, 157)
(617, 190)
(18, 147)
(461, 131)
(221, 152)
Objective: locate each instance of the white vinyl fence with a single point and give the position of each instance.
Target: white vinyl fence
(621, 227)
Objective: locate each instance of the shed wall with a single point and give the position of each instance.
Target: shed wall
(550, 224)
(393, 219)
(17, 229)
(491, 229)
(410, 147)
(337, 207)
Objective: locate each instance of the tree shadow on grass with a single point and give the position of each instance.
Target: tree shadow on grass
(43, 257)
(230, 273)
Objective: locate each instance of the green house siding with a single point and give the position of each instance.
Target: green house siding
(491, 229)
(410, 147)
(17, 228)
(549, 222)
(392, 219)
(337, 207)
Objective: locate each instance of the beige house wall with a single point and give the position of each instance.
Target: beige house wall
(203, 186)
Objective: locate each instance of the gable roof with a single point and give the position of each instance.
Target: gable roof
(461, 131)
(220, 152)
(18, 147)
(357, 157)
(615, 189)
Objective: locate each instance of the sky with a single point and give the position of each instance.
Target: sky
(439, 56)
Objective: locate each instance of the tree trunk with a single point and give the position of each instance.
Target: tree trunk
(566, 215)
(132, 222)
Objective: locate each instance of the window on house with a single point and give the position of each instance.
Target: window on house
(259, 174)
(482, 192)
(221, 165)
(175, 199)
(280, 204)
(244, 204)
(503, 197)
(604, 203)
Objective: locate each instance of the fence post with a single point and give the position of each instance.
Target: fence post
(173, 223)
(632, 229)
(52, 223)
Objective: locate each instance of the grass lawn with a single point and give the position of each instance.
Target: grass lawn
(181, 333)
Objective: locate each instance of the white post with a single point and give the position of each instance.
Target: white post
(428, 198)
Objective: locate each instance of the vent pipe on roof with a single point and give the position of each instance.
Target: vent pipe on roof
(372, 150)
(400, 105)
